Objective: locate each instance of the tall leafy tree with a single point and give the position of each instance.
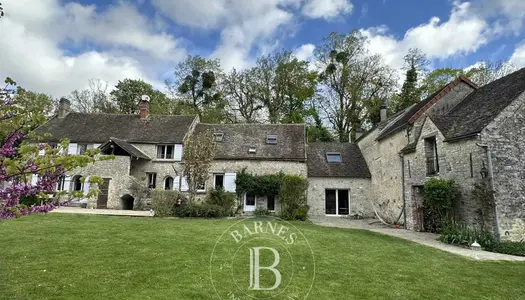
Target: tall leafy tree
(283, 85)
(94, 99)
(415, 65)
(1, 10)
(241, 92)
(20, 159)
(128, 92)
(199, 151)
(317, 132)
(195, 83)
(352, 80)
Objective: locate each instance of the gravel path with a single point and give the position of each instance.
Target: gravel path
(424, 238)
(109, 212)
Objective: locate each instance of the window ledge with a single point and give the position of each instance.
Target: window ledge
(164, 160)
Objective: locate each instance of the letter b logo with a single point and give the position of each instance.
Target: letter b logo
(255, 269)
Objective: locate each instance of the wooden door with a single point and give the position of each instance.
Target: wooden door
(102, 201)
(417, 204)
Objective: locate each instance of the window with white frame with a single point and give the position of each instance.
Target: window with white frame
(218, 181)
(152, 180)
(271, 139)
(334, 157)
(81, 148)
(337, 202)
(165, 151)
(61, 183)
(201, 187)
(77, 183)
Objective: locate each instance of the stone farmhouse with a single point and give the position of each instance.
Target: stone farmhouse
(462, 132)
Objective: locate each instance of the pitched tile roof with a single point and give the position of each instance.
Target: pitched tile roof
(419, 108)
(353, 163)
(130, 149)
(479, 108)
(238, 138)
(92, 128)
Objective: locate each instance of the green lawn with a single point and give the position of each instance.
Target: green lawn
(98, 257)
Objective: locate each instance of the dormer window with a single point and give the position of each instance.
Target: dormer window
(271, 139)
(218, 136)
(334, 157)
(165, 151)
(252, 150)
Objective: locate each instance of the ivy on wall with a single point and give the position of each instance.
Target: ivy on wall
(260, 185)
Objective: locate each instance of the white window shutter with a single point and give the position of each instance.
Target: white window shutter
(34, 179)
(178, 152)
(72, 148)
(229, 182)
(176, 183)
(86, 186)
(67, 183)
(184, 185)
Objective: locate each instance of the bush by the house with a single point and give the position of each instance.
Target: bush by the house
(292, 197)
(260, 212)
(463, 235)
(440, 199)
(512, 248)
(163, 202)
(30, 200)
(221, 198)
(200, 211)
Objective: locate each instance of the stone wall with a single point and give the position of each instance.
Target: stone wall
(454, 163)
(163, 168)
(505, 137)
(117, 170)
(384, 163)
(360, 192)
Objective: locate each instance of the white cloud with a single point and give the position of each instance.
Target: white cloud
(518, 58)
(509, 14)
(326, 9)
(305, 52)
(35, 32)
(246, 26)
(463, 33)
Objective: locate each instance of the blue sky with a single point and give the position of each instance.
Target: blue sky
(56, 46)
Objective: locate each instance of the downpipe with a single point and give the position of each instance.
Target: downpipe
(491, 178)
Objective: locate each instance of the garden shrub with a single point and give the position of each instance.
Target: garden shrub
(463, 235)
(200, 211)
(30, 200)
(439, 201)
(292, 197)
(261, 212)
(221, 198)
(163, 202)
(512, 248)
(260, 185)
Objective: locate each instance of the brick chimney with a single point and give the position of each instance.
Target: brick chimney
(382, 111)
(144, 107)
(64, 107)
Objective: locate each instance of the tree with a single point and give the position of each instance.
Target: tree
(195, 83)
(94, 99)
(199, 151)
(20, 159)
(318, 132)
(283, 85)
(352, 81)
(1, 11)
(415, 64)
(240, 90)
(128, 92)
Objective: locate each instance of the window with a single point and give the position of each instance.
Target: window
(201, 187)
(218, 136)
(218, 181)
(431, 156)
(252, 150)
(165, 152)
(270, 202)
(152, 180)
(77, 183)
(81, 149)
(250, 199)
(333, 157)
(271, 139)
(168, 183)
(61, 183)
(337, 202)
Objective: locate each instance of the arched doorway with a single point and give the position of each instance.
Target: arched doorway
(168, 183)
(77, 184)
(127, 202)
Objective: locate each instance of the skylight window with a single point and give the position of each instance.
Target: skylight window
(334, 157)
(271, 139)
(218, 136)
